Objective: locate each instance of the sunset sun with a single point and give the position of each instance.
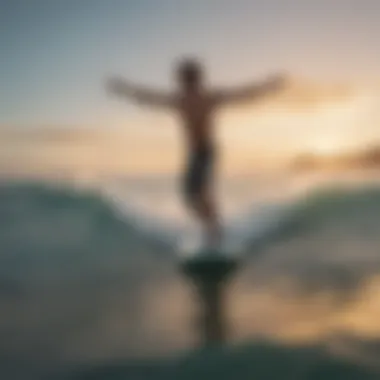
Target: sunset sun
(325, 147)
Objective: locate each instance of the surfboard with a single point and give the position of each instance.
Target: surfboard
(209, 266)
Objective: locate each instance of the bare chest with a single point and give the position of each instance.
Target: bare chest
(195, 108)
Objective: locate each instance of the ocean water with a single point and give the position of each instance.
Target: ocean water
(89, 277)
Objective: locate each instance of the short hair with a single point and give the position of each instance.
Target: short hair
(189, 70)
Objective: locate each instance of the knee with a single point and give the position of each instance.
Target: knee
(191, 199)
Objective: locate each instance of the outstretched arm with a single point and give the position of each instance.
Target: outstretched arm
(120, 87)
(251, 92)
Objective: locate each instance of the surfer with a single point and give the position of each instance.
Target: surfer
(196, 106)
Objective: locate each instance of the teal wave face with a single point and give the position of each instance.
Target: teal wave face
(51, 219)
(260, 361)
(344, 208)
(70, 267)
(79, 283)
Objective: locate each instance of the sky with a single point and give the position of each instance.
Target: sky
(56, 54)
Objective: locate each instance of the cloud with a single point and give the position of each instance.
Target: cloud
(306, 95)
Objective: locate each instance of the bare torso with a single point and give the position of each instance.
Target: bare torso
(196, 111)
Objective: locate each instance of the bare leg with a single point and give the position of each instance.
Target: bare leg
(199, 194)
(205, 209)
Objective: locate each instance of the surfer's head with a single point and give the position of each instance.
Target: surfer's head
(189, 73)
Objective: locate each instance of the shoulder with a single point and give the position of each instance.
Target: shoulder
(215, 97)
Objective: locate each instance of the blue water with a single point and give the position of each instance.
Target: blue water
(85, 281)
